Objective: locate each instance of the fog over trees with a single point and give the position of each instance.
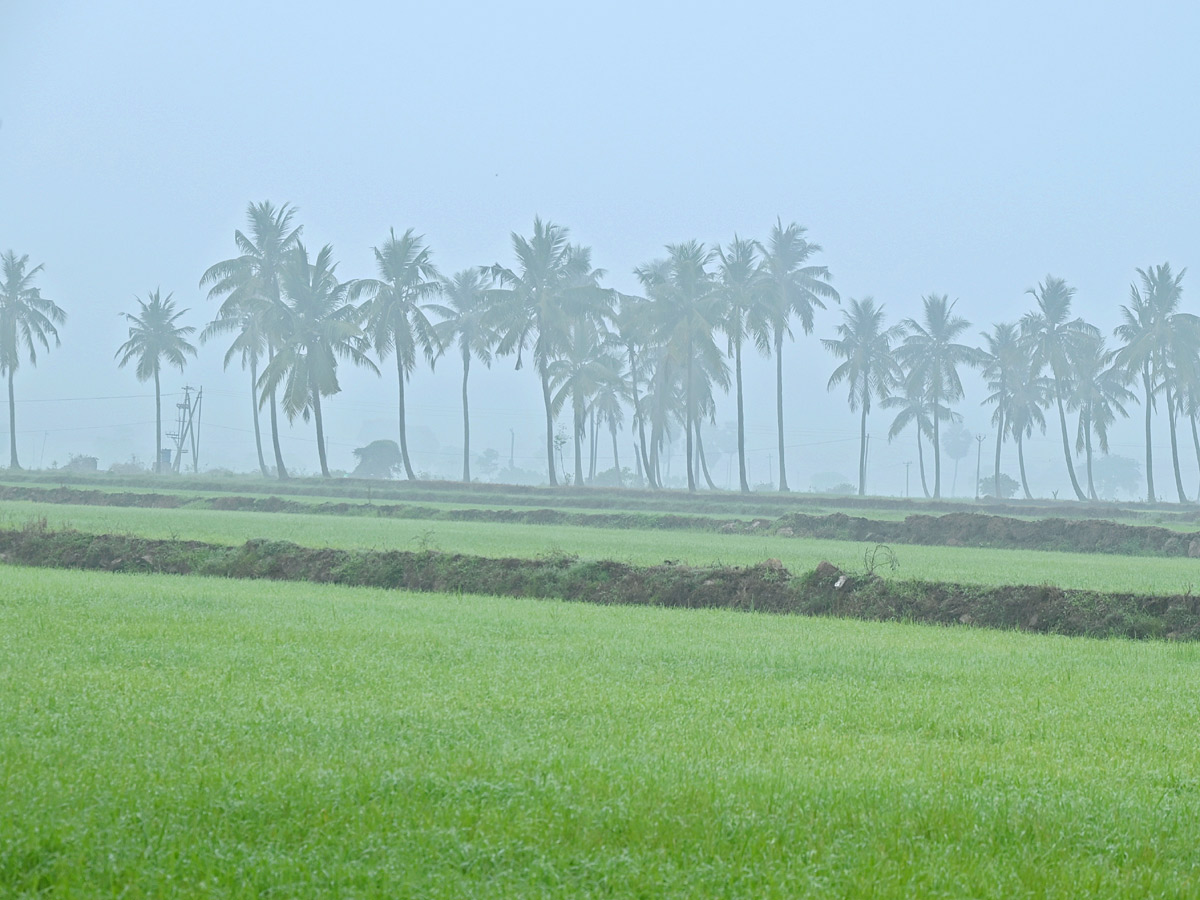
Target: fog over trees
(658, 362)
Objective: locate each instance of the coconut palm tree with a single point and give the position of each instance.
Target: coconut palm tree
(794, 288)
(395, 320)
(931, 355)
(742, 288)
(869, 371)
(1004, 363)
(913, 408)
(250, 284)
(1052, 339)
(635, 334)
(1099, 393)
(1156, 337)
(467, 320)
(687, 312)
(586, 365)
(552, 284)
(156, 338)
(27, 319)
(317, 326)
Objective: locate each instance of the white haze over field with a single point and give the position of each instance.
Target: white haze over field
(965, 149)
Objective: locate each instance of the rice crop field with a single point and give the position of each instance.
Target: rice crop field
(168, 736)
(642, 547)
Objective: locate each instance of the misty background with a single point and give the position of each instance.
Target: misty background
(928, 147)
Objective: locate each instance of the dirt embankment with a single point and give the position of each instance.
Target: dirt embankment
(766, 587)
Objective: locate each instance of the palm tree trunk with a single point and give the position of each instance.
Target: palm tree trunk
(1087, 447)
(1172, 401)
(643, 458)
(1149, 451)
(157, 424)
(690, 415)
(466, 418)
(937, 450)
(262, 463)
(743, 481)
(921, 463)
(408, 469)
(862, 452)
(549, 405)
(999, 444)
(703, 461)
(580, 437)
(280, 469)
(593, 446)
(1062, 421)
(612, 426)
(1195, 443)
(320, 433)
(12, 424)
(1021, 462)
(783, 485)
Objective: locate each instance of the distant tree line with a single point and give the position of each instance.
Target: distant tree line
(660, 356)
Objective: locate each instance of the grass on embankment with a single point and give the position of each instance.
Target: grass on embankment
(168, 736)
(961, 565)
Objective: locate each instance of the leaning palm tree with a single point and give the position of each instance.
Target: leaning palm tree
(1029, 398)
(467, 320)
(395, 320)
(317, 326)
(1099, 394)
(1004, 364)
(27, 319)
(250, 284)
(793, 288)
(635, 334)
(248, 324)
(931, 355)
(742, 289)
(578, 375)
(154, 339)
(913, 408)
(1155, 332)
(870, 370)
(551, 286)
(1052, 338)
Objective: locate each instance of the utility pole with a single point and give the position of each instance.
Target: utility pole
(979, 438)
(187, 429)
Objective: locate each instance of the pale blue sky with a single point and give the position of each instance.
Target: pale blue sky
(966, 149)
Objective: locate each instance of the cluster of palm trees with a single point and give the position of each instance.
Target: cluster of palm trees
(663, 355)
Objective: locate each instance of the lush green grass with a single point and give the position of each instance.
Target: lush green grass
(642, 547)
(185, 737)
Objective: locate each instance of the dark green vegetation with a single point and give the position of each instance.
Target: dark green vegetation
(163, 736)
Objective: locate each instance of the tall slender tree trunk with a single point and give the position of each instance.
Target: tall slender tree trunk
(1171, 416)
(743, 481)
(937, 451)
(157, 424)
(466, 418)
(1087, 449)
(1146, 384)
(12, 424)
(999, 444)
(1021, 463)
(580, 436)
(783, 485)
(1066, 442)
(1195, 443)
(643, 458)
(548, 403)
(612, 426)
(593, 445)
(262, 463)
(703, 462)
(862, 452)
(691, 417)
(320, 433)
(921, 463)
(281, 471)
(408, 469)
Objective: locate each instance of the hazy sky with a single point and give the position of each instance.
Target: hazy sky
(965, 149)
